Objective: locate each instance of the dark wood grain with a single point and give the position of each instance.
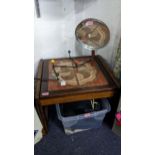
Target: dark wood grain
(39, 108)
(38, 80)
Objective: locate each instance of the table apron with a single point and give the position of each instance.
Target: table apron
(77, 97)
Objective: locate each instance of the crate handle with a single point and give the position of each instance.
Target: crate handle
(109, 107)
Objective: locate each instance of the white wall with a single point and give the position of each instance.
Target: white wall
(55, 29)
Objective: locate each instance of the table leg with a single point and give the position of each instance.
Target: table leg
(110, 117)
(43, 118)
(45, 123)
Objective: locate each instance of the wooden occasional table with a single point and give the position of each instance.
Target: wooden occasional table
(85, 78)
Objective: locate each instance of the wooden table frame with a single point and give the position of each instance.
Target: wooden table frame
(41, 104)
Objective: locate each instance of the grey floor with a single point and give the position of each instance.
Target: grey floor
(101, 141)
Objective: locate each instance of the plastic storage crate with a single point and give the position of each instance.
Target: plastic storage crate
(81, 116)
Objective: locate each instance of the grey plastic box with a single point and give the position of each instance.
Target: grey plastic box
(85, 121)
